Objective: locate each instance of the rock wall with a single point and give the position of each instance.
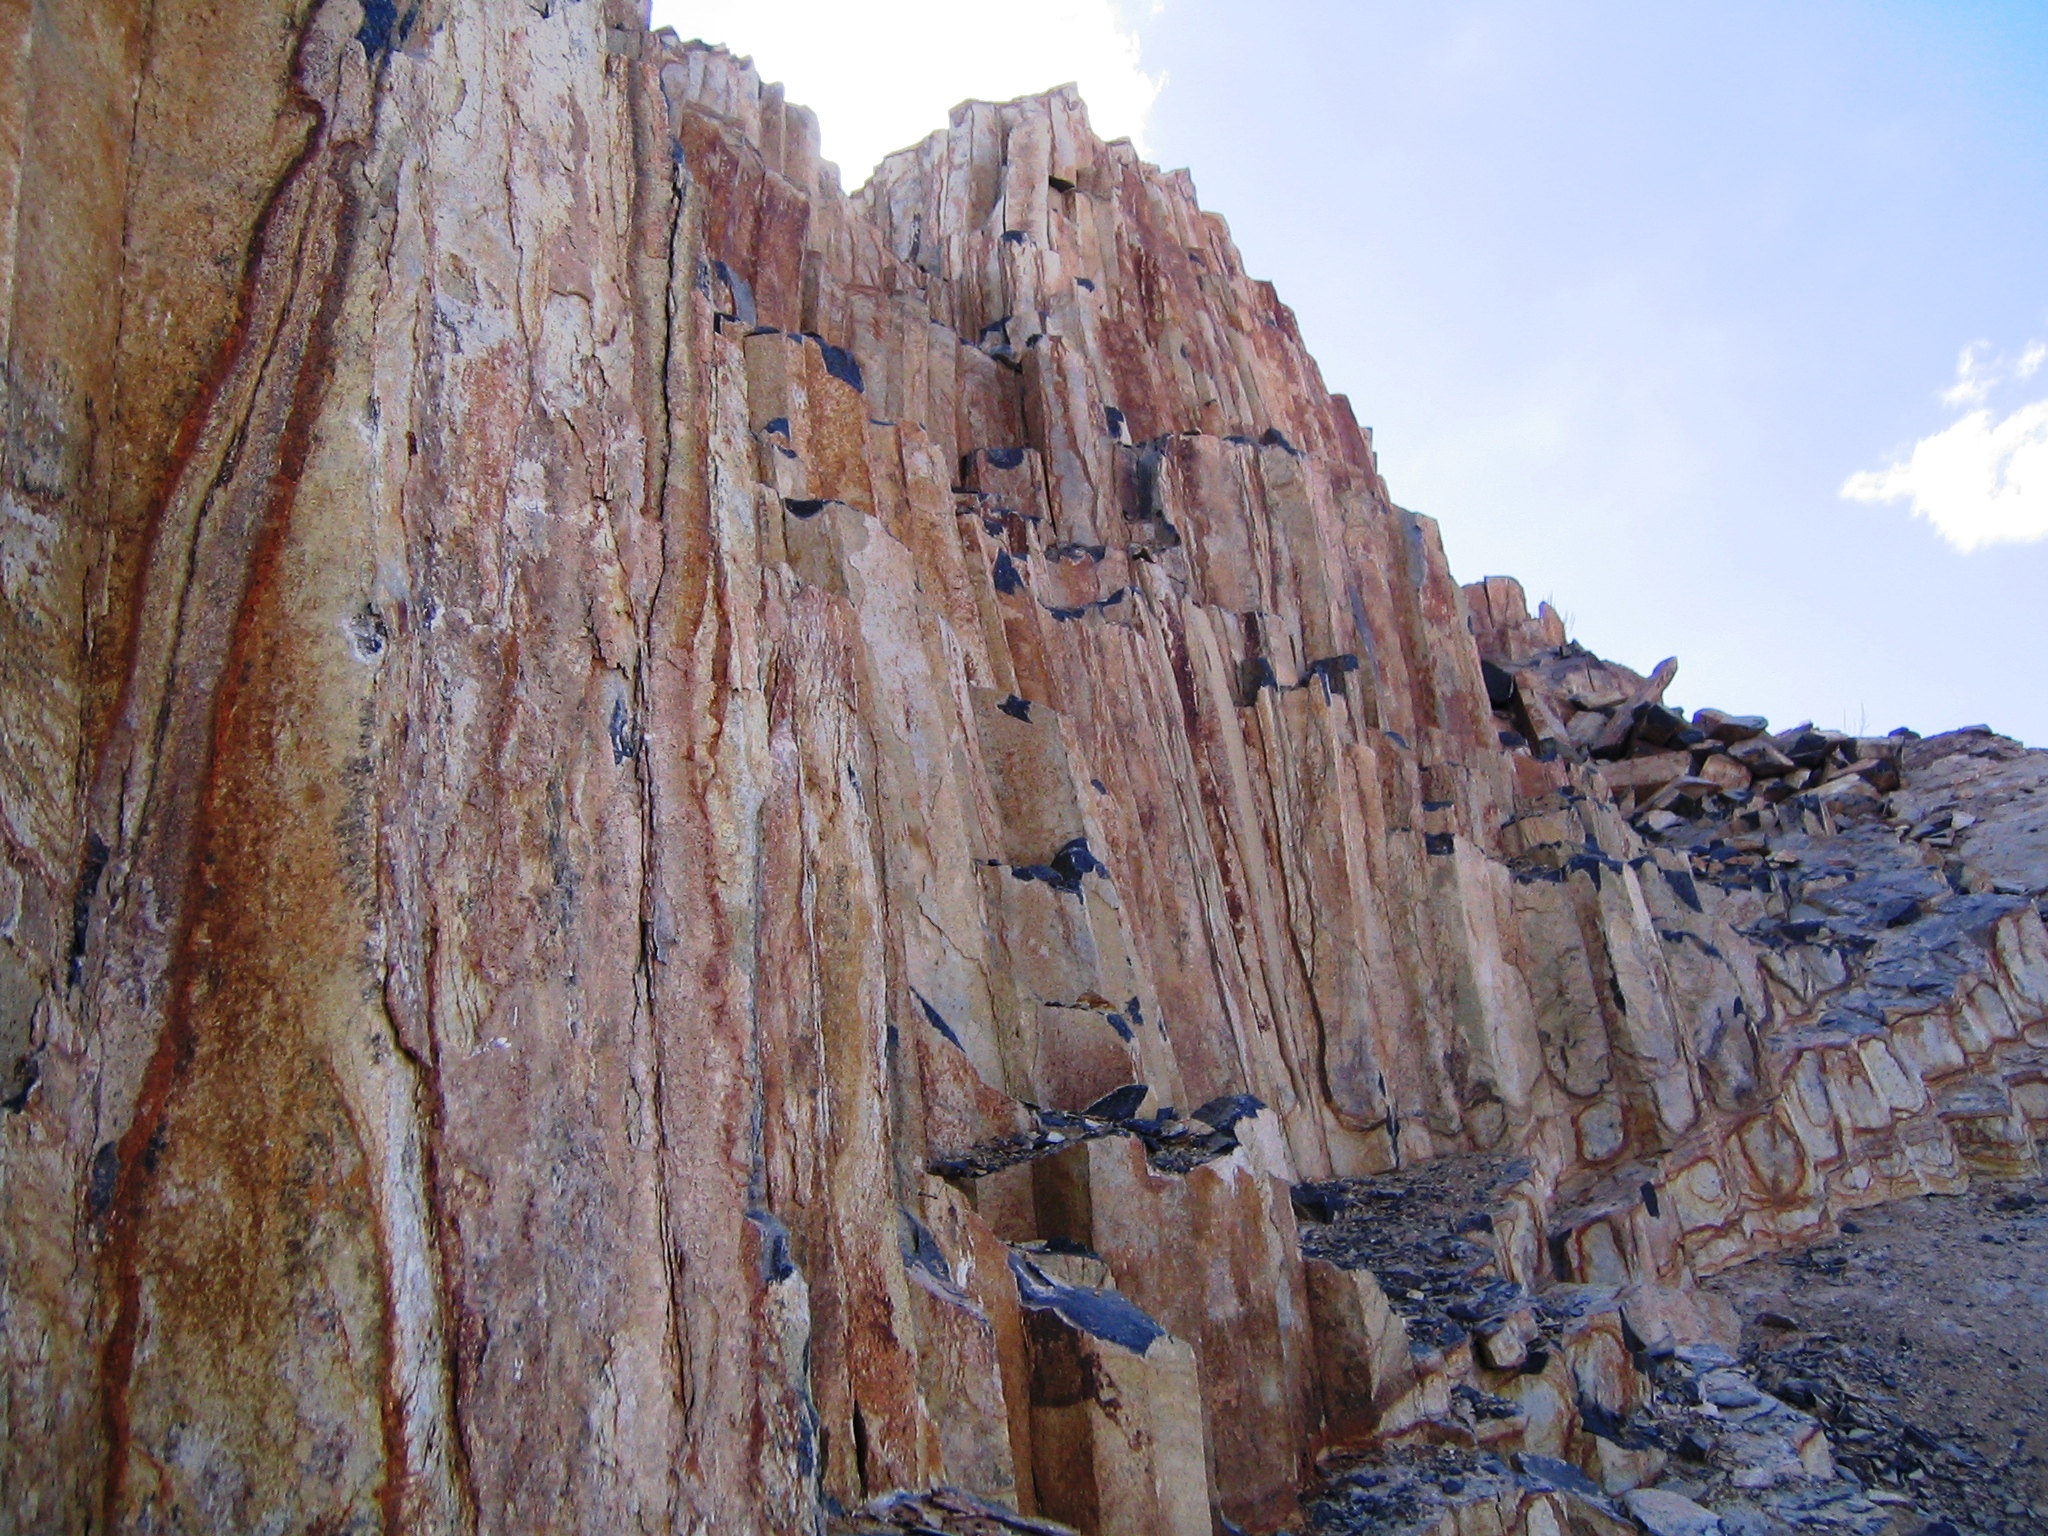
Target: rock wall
(687, 853)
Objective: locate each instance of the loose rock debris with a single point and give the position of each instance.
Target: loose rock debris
(1920, 1340)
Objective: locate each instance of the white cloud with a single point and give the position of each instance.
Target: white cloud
(882, 75)
(1972, 383)
(1981, 481)
(1976, 376)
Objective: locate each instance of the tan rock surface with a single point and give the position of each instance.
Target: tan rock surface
(627, 779)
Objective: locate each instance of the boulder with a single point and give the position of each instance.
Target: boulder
(1761, 758)
(1730, 729)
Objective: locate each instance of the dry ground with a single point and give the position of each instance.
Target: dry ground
(1921, 1339)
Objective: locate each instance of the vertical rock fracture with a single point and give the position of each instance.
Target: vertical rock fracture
(681, 852)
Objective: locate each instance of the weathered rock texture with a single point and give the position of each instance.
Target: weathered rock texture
(684, 853)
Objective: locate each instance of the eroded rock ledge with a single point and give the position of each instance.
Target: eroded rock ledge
(686, 853)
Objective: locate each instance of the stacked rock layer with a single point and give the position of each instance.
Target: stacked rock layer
(686, 853)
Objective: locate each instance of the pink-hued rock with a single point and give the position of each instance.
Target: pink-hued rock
(626, 779)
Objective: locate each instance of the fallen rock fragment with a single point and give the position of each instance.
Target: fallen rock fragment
(1662, 1513)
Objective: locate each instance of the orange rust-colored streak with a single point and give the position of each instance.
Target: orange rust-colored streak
(184, 445)
(142, 1145)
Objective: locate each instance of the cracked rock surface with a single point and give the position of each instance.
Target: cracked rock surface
(685, 851)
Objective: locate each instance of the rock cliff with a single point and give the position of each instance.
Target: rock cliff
(684, 852)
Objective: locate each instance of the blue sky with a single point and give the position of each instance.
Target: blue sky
(1630, 293)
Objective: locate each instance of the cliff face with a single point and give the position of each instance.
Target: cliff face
(681, 851)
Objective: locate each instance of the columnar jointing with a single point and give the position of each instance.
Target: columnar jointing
(686, 853)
